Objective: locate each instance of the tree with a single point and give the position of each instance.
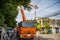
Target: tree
(1, 19)
(47, 26)
(38, 26)
(25, 4)
(8, 11)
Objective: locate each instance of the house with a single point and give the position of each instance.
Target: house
(54, 24)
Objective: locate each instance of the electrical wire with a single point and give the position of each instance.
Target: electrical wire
(36, 4)
(55, 14)
(50, 6)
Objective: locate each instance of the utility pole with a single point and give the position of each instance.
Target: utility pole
(36, 7)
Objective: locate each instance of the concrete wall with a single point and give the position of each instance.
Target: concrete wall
(53, 30)
(59, 30)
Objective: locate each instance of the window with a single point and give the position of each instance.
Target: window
(27, 24)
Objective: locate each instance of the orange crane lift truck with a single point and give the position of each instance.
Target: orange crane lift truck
(26, 28)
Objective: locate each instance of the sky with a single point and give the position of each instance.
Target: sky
(45, 8)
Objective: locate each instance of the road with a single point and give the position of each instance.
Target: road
(36, 38)
(41, 37)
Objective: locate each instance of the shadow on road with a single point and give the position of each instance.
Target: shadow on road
(25, 39)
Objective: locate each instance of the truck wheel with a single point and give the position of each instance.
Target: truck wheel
(32, 38)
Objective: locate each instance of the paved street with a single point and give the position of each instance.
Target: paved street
(49, 36)
(36, 38)
(42, 37)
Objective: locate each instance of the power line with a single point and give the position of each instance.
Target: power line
(36, 4)
(55, 14)
(50, 6)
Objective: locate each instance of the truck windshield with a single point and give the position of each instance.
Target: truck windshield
(27, 24)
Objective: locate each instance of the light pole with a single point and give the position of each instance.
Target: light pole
(36, 7)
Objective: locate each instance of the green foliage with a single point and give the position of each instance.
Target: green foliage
(1, 19)
(47, 26)
(25, 4)
(38, 25)
(8, 11)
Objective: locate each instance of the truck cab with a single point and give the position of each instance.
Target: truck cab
(27, 29)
